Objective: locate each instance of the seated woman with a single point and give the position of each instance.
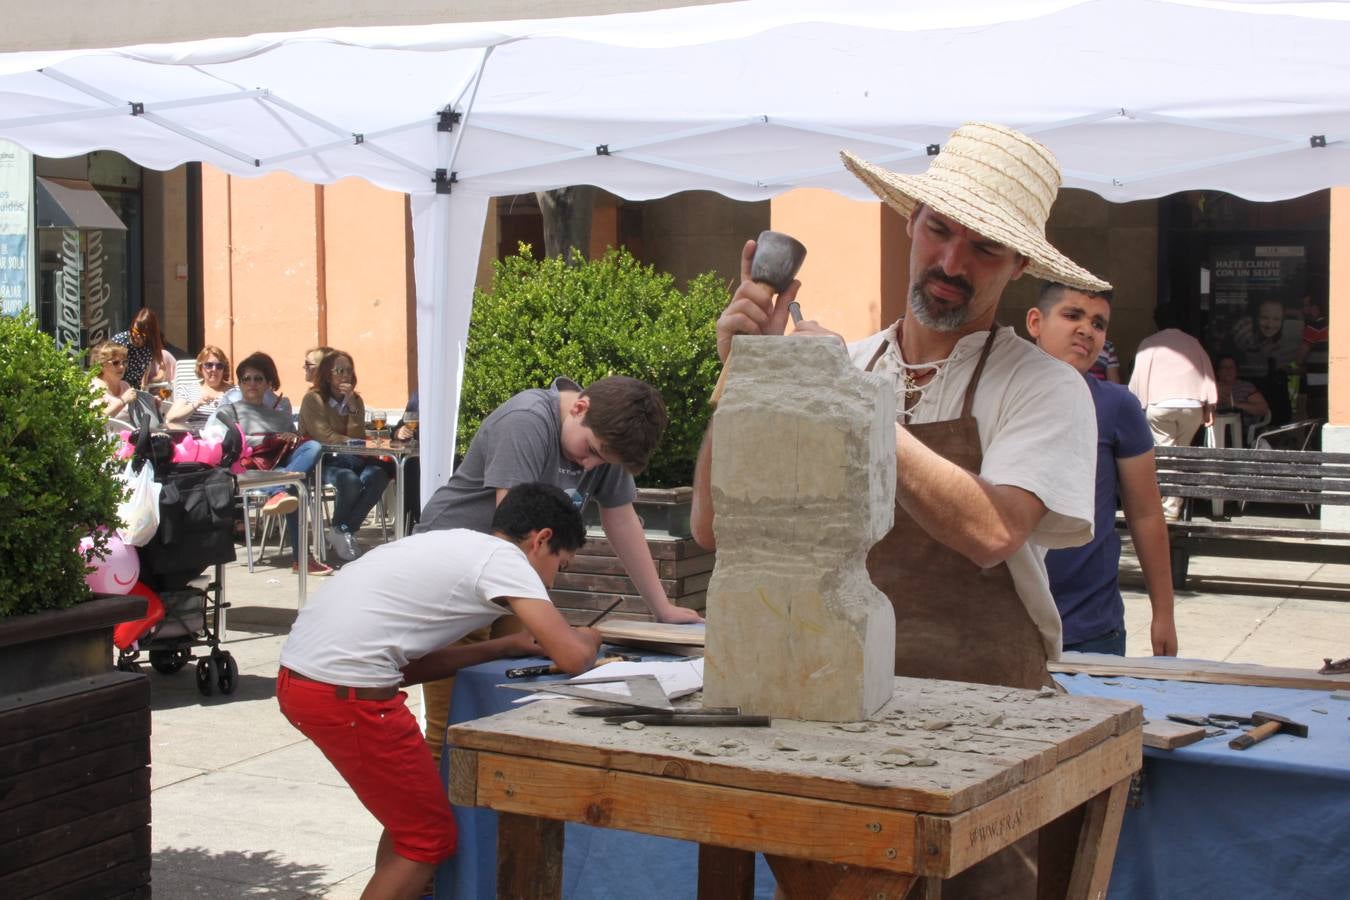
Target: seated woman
(108, 361)
(147, 360)
(194, 404)
(1235, 393)
(268, 429)
(332, 412)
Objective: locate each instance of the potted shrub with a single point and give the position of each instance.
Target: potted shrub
(611, 316)
(74, 732)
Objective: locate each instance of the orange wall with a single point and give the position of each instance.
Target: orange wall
(369, 292)
(288, 265)
(857, 259)
(1338, 312)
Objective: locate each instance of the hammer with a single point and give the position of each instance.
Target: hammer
(1266, 725)
(778, 257)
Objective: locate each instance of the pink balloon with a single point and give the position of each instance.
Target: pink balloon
(115, 573)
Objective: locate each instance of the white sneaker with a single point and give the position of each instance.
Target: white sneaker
(343, 543)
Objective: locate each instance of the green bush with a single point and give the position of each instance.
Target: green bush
(57, 474)
(611, 316)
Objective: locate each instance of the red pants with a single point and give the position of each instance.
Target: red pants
(376, 746)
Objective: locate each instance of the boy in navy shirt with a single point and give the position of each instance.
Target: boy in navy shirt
(1070, 325)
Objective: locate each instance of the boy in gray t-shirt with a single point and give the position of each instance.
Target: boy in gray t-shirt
(588, 442)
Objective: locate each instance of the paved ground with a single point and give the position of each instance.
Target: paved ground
(244, 806)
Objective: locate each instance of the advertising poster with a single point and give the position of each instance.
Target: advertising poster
(1257, 304)
(16, 203)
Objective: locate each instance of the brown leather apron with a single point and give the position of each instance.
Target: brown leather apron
(954, 620)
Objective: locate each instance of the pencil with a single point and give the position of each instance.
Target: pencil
(613, 606)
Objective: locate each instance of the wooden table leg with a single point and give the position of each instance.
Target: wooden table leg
(529, 857)
(1097, 843)
(725, 873)
(807, 879)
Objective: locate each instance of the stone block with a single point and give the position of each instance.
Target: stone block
(803, 479)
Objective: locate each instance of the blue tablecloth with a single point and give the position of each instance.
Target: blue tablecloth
(598, 863)
(1270, 821)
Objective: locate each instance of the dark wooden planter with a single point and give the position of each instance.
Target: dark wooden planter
(596, 577)
(74, 756)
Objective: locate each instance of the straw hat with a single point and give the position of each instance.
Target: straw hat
(994, 180)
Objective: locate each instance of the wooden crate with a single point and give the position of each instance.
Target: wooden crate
(75, 789)
(596, 578)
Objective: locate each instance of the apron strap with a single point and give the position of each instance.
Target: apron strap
(969, 402)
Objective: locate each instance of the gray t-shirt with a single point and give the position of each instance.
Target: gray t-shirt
(520, 441)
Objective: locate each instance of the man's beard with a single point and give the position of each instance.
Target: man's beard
(935, 314)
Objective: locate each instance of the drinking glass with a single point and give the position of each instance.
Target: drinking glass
(378, 420)
(410, 422)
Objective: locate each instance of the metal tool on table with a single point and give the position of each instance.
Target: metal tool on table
(553, 669)
(777, 260)
(694, 715)
(1210, 720)
(1267, 724)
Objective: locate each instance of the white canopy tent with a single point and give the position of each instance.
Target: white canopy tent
(1138, 98)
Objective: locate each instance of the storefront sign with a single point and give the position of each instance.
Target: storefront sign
(16, 193)
(68, 319)
(96, 291)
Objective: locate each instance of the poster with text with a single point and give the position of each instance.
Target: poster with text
(1257, 305)
(16, 203)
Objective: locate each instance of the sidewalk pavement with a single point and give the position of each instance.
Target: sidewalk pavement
(244, 806)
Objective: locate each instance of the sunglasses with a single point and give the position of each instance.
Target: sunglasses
(341, 371)
(309, 365)
(251, 378)
(117, 362)
(213, 365)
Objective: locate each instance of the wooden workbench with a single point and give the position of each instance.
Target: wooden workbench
(945, 775)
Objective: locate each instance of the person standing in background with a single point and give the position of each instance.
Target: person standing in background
(1174, 382)
(1070, 325)
(1107, 365)
(147, 360)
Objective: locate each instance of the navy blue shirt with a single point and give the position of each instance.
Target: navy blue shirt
(1085, 580)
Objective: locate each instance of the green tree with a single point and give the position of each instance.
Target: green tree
(611, 316)
(57, 475)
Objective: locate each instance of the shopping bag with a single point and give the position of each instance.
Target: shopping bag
(139, 509)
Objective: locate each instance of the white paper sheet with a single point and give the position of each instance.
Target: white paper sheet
(678, 678)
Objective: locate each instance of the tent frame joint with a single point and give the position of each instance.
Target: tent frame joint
(933, 149)
(137, 107)
(445, 180)
(447, 119)
(1317, 140)
(602, 150)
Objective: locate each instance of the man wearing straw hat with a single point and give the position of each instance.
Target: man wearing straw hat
(995, 440)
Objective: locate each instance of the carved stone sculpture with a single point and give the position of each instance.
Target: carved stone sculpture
(803, 480)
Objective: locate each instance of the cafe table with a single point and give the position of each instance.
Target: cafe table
(400, 451)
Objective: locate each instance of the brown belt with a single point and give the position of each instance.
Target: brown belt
(343, 692)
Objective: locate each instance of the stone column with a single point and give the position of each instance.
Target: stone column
(803, 480)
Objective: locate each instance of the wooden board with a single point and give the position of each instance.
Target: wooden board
(1166, 668)
(1171, 735)
(878, 838)
(981, 741)
(650, 633)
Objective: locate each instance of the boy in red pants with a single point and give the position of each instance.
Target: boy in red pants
(389, 619)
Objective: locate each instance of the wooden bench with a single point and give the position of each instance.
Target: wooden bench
(1299, 477)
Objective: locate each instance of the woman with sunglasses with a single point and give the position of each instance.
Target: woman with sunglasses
(147, 360)
(108, 361)
(332, 412)
(269, 431)
(194, 404)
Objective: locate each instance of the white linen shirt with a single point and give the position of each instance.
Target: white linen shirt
(1038, 432)
(402, 600)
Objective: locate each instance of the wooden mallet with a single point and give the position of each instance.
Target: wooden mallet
(777, 260)
(1266, 725)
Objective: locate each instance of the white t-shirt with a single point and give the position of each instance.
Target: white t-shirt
(1038, 432)
(402, 600)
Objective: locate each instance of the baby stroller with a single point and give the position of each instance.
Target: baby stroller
(196, 533)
